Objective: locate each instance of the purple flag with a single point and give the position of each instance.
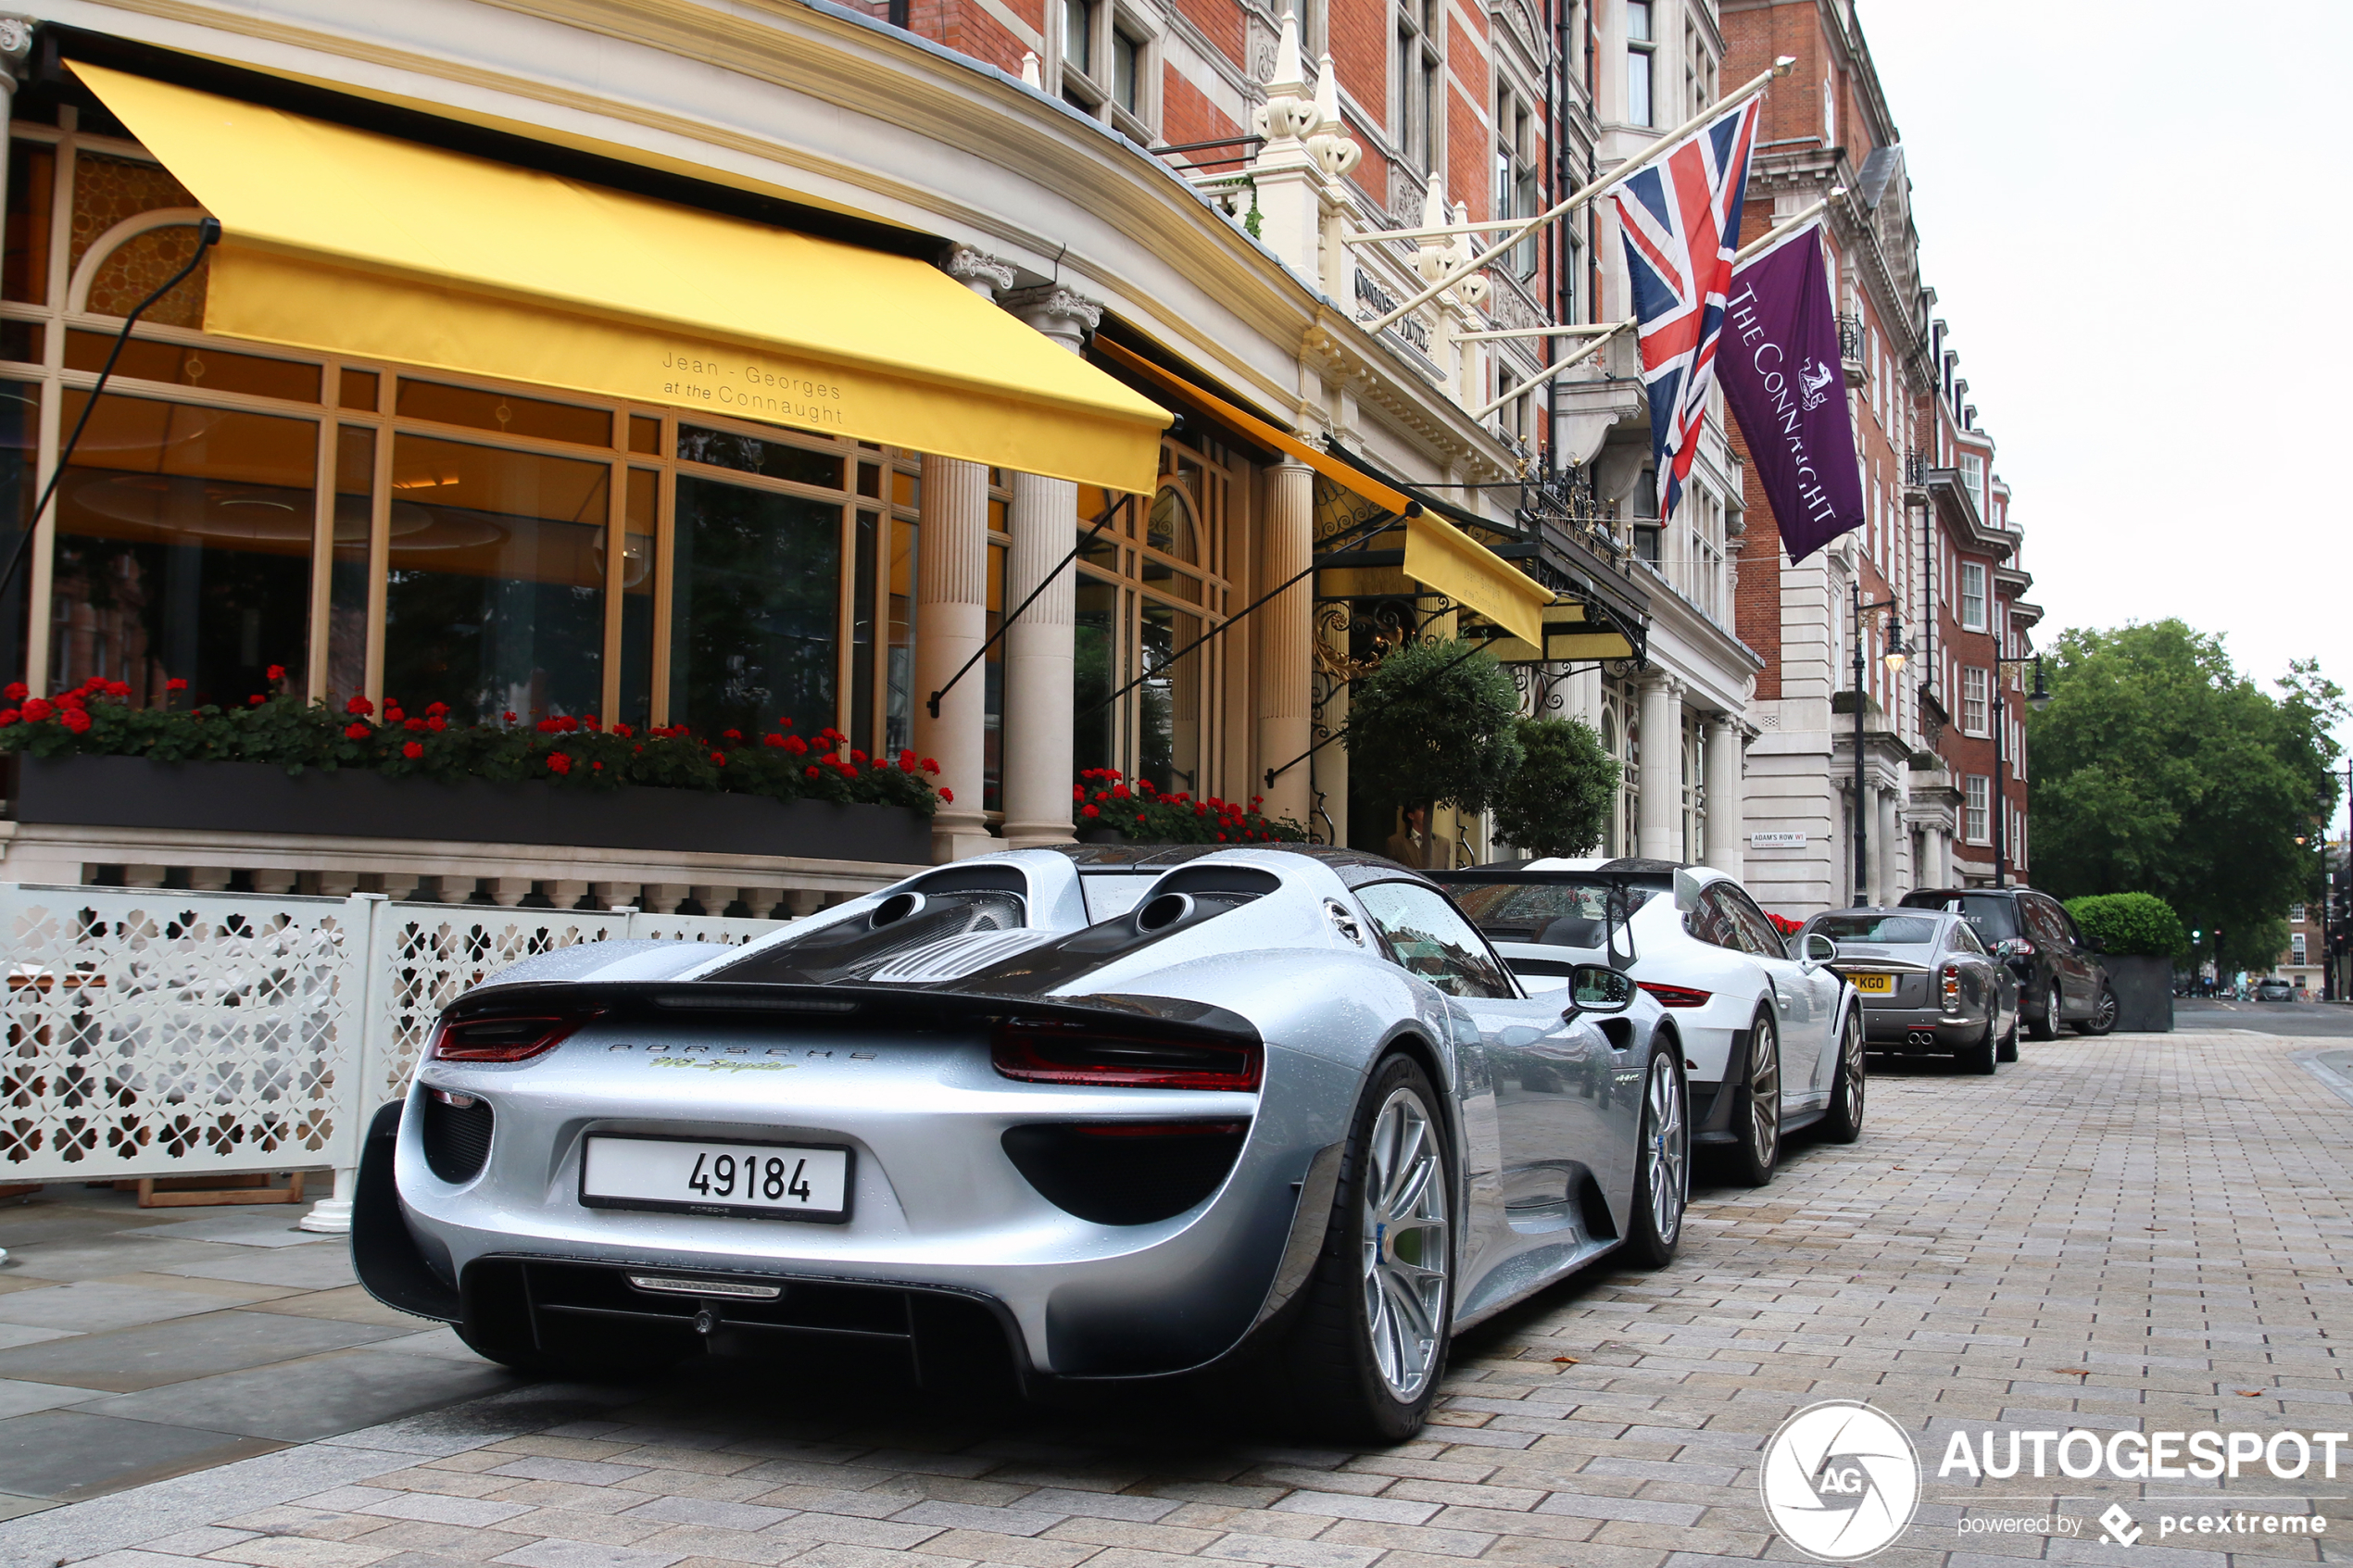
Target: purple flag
(1779, 366)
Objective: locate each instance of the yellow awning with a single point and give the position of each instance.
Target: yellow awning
(345, 242)
(1570, 637)
(1438, 555)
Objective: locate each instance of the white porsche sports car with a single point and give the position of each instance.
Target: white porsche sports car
(1772, 1037)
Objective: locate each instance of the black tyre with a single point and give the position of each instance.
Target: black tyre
(2007, 1049)
(1363, 1361)
(2103, 1019)
(1756, 1118)
(1979, 1058)
(1662, 1162)
(1844, 1123)
(2045, 1024)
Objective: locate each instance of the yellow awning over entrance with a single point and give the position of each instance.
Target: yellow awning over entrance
(345, 242)
(1438, 555)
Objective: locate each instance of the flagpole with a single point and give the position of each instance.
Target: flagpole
(1588, 329)
(1626, 170)
(1781, 231)
(1524, 388)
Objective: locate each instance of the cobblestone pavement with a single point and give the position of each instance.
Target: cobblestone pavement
(2141, 1231)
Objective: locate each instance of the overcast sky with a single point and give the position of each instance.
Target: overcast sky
(2135, 217)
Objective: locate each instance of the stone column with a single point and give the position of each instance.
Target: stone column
(1727, 796)
(1286, 652)
(1888, 871)
(1039, 660)
(1659, 821)
(951, 619)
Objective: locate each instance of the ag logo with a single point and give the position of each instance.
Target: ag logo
(1840, 1480)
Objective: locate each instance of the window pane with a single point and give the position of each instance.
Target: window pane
(645, 435)
(754, 611)
(183, 550)
(1123, 71)
(496, 596)
(898, 702)
(504, 413)
(1169, 702)
(862, 610)
(212, 370)
(1094, 743)
(358, 389)
(1433, 941)
(348, 574)
(1638, 18)
(24, 264)
(637, 590)
(749, 454)
(1638, 87)
(20, 428)
(1078, 33)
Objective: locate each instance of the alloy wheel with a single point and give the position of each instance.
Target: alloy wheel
(1765, 1097)
(1851, 1063)
(2106, 1020)
(1669, 1149)
(2051, 1006)
(1406, 1245)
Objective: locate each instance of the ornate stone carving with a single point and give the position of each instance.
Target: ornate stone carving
(971, 268)
(1066, 317)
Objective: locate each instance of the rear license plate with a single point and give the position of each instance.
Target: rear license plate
(1874, 985)
(701, 1176)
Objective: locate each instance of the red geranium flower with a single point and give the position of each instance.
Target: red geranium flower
(720, 756)
(363, 707)
(783, 720)
(38, 709)
(948, 795)
(810, 771)
(930, 766)
(510, 716)
(1083, 810)
(623, 730)
(118, 689)
(413, 750)
(596, 767)
(71, 699)
(435, 723)
(255, 700)
(559, 763)
(8, 717)
(856, 756)
(276, 672)
(354, 731)
(731, 734)
(796, 745)
(435, 709)
(16, 691)
(175, 684)
(74, 718)
(416, 724)
(1139, 816)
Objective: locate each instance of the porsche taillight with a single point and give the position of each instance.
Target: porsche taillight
(1676, 995)
(1053, 1051)
(502, 1036)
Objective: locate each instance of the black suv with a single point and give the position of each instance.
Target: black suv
(2060, 979)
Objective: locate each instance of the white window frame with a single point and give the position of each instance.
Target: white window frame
(1976, 700)
(1973, 480)
(1641, 55)
(1977, 815)
(1974, 573)
(1088, 76)
(1419, 60)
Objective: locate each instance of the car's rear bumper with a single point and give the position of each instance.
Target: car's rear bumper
(1920, 1029)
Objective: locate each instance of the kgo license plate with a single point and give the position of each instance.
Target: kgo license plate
(1874, 985)
(698, 1176)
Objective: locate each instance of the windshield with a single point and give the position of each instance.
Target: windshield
(1894, 930)
(1993, 917)
(1557, 914)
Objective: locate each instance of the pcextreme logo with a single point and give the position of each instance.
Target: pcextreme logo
(1840, 1481)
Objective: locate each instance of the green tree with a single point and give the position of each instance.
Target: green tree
(2159, 769)
(1557, 799)
(1436, 721)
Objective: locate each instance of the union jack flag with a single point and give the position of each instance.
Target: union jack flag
(1682, 219)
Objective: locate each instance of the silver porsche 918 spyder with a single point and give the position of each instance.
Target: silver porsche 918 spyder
(1098, 1114)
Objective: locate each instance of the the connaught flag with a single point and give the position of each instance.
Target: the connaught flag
(1779, 368)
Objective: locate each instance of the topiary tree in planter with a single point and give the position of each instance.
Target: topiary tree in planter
(1557, 799)
(1436, 721)
(2131, 924)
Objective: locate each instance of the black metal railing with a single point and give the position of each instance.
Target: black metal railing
(1850, 337)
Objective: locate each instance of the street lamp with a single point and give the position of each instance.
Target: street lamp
(1893, 658)
(2038, 699)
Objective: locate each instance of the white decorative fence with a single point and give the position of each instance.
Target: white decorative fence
(155, 1033)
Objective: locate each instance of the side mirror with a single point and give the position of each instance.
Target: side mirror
(1814, 949)
(1594, 988)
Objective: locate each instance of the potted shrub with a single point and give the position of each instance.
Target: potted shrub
(1434, 723)
(2138, 936)
(1558, 800)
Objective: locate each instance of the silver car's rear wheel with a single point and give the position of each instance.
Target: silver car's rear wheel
(1404, 1243)
(1756, 1118)
(1661, 1164)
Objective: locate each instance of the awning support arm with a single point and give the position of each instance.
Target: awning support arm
(208, 235)
(1045, 583)
(1370, 531)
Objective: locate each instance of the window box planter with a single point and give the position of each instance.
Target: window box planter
(264, 799)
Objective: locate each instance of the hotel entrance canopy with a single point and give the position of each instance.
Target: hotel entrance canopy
(346, 242)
